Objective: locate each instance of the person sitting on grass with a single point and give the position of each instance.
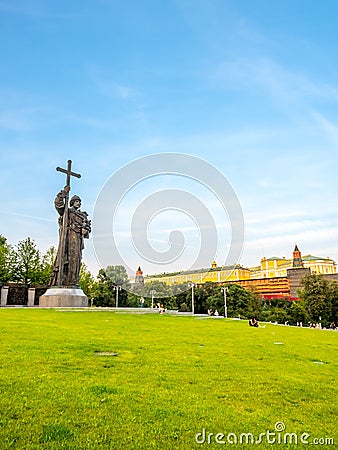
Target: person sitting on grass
(253, 322)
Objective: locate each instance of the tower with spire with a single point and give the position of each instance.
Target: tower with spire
(297, 258)
(139, 279)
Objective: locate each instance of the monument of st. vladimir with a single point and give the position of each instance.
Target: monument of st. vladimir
(74, 227)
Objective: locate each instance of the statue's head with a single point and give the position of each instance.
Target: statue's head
(75, 201)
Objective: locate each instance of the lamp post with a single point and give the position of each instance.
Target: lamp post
(225, 290)
(117, 289)
(192, 285)
(152, 292)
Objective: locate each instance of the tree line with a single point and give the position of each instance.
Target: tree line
(318, 302)
(24, 262)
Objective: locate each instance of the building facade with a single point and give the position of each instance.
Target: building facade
(274, 278)
(214, 274)
(278, 267)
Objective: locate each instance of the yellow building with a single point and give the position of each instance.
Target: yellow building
(273, 267)
(277, 267)
(214, 274)
(319, 266)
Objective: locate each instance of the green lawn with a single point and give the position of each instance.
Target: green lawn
(167, 379)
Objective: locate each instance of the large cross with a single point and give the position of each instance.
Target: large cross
(69, 172)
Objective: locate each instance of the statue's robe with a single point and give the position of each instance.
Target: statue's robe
(78, 228)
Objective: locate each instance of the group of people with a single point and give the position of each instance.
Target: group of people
(160, 307)
(318, 326)
(213, 313)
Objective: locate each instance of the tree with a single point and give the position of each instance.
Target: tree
(118, 275)
(254, 305)
(163, 294)
(279, 314)
(47, 265)
(238, 300)
(209, 296)
(298, 312)
(103, 293)
(317, 298)
(87, 281)
(5, 251)
(26, 265)
(109, 278)
(333, 298)
(179, 291)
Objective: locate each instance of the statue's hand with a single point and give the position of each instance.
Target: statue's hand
(66, 189)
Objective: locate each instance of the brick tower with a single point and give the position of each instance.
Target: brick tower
(297, 258)
(139, 279)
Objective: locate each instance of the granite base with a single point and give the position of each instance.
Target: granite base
(63, 298)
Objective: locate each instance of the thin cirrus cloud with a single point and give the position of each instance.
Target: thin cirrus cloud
(275, 79)
(21, 119)
(111, 88)
(327, 126)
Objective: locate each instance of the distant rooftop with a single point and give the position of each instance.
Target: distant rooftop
(315, 258)
(190, 272)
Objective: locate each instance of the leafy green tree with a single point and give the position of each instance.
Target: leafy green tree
(118, 275)
(104, 292)
(200, 298)
(180, 291)
(133, 300)
(215, 302)
(317, 299)
(47, 265)
(26, 265)
(279, 315)
(238, 299)
(254, 305)
(333, 298)
(5, 251)
(163, 294)
(210, 298)
(298, 313)
(135, 293)
(87, 281)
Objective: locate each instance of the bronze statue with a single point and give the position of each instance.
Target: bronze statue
(74, 226)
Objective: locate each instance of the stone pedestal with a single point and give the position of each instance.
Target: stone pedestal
(63, 298)
(31, 297)
(4, 295)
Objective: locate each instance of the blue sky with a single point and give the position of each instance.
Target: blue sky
(250, 86)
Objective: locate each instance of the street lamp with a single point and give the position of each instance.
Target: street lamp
(225, 290)
(152, 297)
(192, 285)
(117, 289)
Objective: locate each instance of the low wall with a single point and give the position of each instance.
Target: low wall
(14, 294)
